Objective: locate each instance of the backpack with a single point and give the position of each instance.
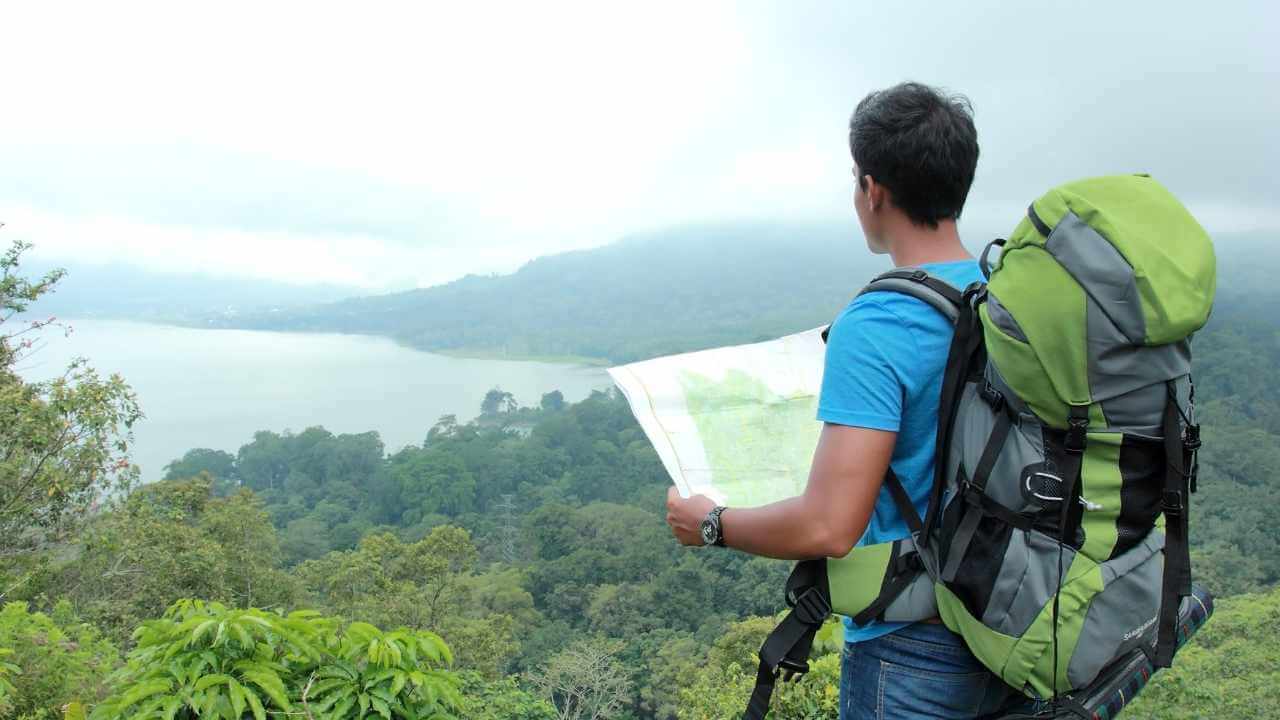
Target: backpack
(1055, 539)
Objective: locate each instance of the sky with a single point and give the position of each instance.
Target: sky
(385, 146)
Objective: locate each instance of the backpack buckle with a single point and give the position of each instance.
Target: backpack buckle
(991, 396)
(789, 670)
(1171, 503)
(1077, 432)
(811, 608)
(1191, 438)
(919, 275)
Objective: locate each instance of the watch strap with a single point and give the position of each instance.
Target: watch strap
(714, 517)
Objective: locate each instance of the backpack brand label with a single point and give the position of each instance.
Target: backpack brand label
(1139, 630)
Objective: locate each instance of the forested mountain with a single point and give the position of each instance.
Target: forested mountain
(673, 291)
(650, 295)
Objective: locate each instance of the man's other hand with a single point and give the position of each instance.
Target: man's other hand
(685, 516)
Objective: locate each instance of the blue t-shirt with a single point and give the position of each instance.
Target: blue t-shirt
(885, 356)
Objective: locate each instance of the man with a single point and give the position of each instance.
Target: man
(915, 150)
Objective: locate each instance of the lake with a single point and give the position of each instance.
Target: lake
(215, 388)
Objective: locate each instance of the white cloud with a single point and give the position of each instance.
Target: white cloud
(353, 260)
(447, 138)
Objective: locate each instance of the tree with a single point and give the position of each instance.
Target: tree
(219, 464)
(433, 481)
(585, 681)
(553, 401)
(250, 550)
(168, 540)
(424, 585)
(63, 442)
(498, 402)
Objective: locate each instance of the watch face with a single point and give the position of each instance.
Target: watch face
(708, 532)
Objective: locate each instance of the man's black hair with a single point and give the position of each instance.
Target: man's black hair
(920, 143)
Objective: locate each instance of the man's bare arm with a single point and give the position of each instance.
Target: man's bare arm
(848, 468)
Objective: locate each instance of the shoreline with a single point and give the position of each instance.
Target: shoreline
(477, 354)
(458, 353)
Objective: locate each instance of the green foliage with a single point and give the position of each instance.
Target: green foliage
(553, 401)
(209, 661)
(1230, 669)
(218, 464)
(501, 699)
(47, 661)
(63, 442)
(169, 540)
(1236, 515)
(496, 402)
(427, 585)
(718, 690)
(7, 690)
(432, 482)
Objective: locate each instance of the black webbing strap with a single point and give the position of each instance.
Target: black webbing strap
(967, 339)
(996, 510)
(1074, 445)
(786, 651)
(974, 493)
(1176, 583)
(966, 342)
(902, 499)
(984, 262)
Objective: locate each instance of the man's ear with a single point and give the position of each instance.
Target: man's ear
(876, 193)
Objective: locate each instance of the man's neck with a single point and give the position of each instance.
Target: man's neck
(917, 245)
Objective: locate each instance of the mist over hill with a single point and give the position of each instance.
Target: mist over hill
(647, 295)
(120, 291)
(664, 292)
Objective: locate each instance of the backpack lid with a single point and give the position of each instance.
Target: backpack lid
(1096, 293)
(1124, 234)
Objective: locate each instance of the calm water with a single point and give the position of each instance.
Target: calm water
(215, 388)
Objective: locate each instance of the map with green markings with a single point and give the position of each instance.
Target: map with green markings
(737, 424)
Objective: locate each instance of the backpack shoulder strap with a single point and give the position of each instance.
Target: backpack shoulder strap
(919, 284)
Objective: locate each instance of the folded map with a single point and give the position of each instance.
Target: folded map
(738, 424)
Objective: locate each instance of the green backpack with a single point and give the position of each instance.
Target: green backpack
(1055, 540)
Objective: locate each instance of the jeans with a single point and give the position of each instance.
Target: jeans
(921, 671)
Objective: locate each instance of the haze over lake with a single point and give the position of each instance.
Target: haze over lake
(215, 388)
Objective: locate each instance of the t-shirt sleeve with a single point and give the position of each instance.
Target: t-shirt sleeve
(863, 383)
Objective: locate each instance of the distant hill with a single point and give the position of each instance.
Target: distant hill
(644, 296)
(672, 291)
(125, 292)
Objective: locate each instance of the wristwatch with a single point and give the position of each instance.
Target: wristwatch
(712, 533)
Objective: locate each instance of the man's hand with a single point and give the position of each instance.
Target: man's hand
(685, 516)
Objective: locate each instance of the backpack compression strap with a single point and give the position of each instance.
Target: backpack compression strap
(1179, 482)
(786, 651)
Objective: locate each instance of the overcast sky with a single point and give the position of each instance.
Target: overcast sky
(397, 145)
